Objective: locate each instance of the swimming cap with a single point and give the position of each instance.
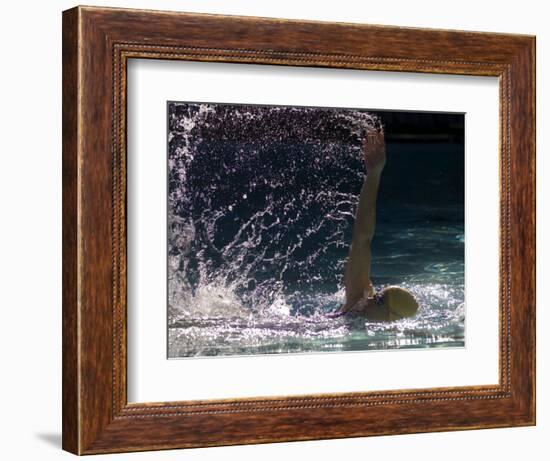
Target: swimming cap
(399, 302)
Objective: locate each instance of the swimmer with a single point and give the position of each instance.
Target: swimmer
(391, 303)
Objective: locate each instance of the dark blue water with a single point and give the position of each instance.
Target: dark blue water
(261, 208)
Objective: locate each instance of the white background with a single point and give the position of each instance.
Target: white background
(153, 378)
(30, 244)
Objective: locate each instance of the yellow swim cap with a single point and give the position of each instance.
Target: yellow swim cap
(399, 302)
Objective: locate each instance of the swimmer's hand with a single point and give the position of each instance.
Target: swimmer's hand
(374, 151)
(335, 314)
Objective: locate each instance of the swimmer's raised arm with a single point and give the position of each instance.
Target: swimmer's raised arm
(358, 266)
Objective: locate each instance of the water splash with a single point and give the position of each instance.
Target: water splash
(261, 207)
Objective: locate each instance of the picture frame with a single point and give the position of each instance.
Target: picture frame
(97, 44)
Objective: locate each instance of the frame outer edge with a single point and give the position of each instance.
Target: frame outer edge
(70, 273)
(533, 140)
(91, 422)
(524, 218)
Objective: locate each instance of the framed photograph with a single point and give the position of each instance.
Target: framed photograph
(281, 230)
